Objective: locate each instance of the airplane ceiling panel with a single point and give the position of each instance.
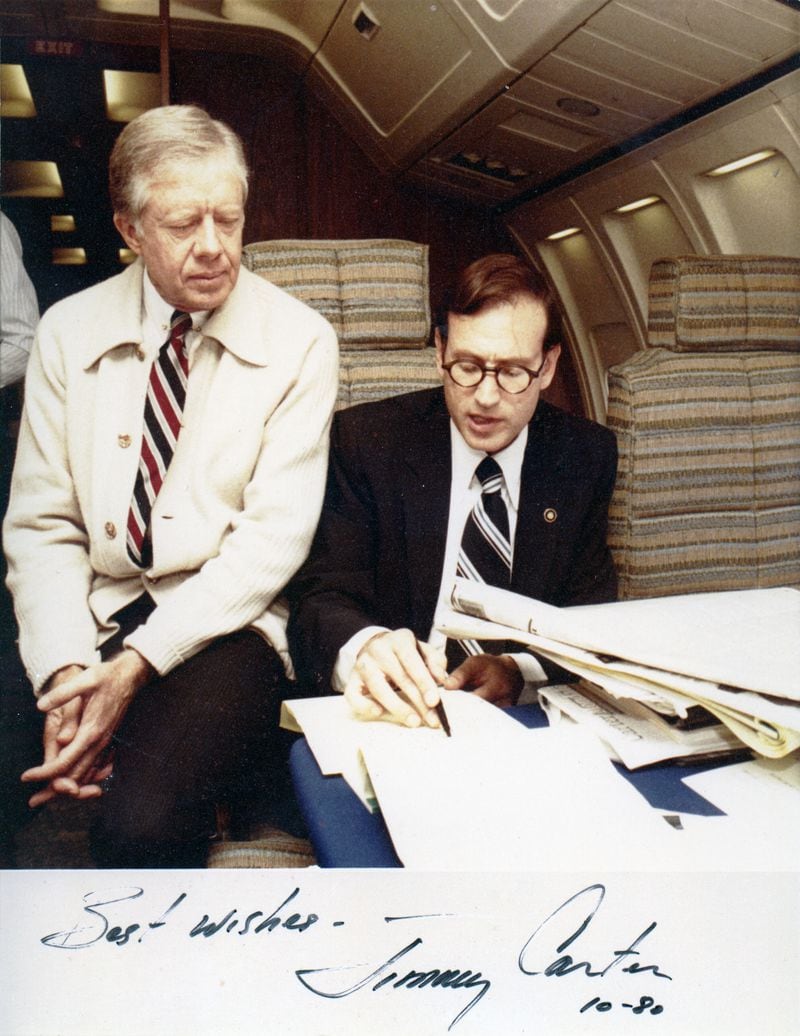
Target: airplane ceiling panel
(641, 63)
(632, 65)
(506, 145)
(522, 31)
(592, 84)
(408, 70)
(532, 127)
(494, 97)
(384, 78)
(306, 22)
(565, 106)
(621, 31)
(760, 28)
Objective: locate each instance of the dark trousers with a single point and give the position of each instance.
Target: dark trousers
(204, 733)
(9, 414)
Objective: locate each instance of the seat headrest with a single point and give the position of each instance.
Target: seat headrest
(725, 303)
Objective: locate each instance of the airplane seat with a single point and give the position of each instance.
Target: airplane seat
(707, 420)
(374, 291)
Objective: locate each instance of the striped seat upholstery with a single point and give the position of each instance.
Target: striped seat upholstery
(708, 425)
(375, 294)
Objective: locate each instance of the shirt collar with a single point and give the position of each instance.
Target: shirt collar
(466, 459)
(124, 299)
(158, 312)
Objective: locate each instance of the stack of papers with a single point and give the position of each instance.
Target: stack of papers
(736, 654)
(636, 734)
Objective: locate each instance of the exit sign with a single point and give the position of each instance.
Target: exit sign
(56, 48)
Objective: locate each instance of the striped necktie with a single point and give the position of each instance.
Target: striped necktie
(485, 552)
(163, 410)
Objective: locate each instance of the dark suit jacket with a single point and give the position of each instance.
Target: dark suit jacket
(378, 552)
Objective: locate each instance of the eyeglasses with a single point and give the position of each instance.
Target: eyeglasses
(512, 379)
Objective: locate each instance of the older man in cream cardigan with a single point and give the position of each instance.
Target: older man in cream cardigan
(146, 586)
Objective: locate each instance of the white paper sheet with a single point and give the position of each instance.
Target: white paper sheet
(333, 734)
(760, 791)
(547, 799)
(770, 726)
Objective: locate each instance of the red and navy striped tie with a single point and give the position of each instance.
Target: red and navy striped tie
(485, 552)
(163, 410)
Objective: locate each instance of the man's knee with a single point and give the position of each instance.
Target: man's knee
(191, 738)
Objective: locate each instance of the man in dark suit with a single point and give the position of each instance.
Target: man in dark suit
(402, 484)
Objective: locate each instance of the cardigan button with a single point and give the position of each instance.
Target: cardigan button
(550, 514)
(111, 530)
(123, 441)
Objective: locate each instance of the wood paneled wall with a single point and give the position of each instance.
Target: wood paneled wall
(310, 180)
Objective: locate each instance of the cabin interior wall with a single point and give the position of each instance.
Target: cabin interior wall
(600, 263)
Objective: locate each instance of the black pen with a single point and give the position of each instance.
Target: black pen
(443, 717)
(439, 707)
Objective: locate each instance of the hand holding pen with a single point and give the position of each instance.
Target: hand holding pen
(398, 677)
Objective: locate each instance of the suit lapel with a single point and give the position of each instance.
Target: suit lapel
(424, 475)
(533, 537)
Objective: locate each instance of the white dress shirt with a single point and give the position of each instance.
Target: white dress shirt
(465, 488)
(19, 310)
(157, 319)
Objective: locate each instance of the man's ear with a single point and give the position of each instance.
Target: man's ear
(547, 375)
(129, 232)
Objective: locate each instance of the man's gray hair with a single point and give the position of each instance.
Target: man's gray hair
(160, 136)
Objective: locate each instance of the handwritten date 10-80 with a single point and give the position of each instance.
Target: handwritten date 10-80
(646, 1004)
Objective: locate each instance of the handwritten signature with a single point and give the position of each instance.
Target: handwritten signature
(542, 954)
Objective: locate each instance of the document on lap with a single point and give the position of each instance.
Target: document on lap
(337, 738)
(530, 800)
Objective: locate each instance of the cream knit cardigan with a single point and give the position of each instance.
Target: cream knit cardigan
(241, 500)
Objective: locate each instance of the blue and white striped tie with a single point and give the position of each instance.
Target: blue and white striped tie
(485, 552)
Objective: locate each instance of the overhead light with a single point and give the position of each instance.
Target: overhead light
(62, 224)
(561, 234)
(128, 94)
(69, 256)
(22, 179)
(741, 163)
(15, 94)
(641, 203)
